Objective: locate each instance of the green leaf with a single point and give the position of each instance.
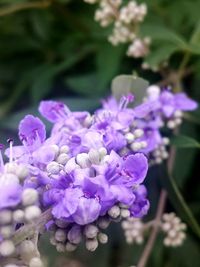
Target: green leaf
(124, 84)
(178, 201)
(84, 84)
(163, 33)
(183, 141)
(160, 54)
(107, 70)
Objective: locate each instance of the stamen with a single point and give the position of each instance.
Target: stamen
(10, 141)
(1, 157)
(125, 100)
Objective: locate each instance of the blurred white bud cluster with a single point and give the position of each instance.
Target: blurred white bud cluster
(133, 230)
(170, 224)
(174, 230)
(126, 20)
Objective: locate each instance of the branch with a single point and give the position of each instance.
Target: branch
(28, 231)
(149, 246)
(21, 6)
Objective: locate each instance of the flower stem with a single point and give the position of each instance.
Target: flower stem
(150, 243)
(21, 6)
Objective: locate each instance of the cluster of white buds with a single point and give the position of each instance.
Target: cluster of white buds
(174, 230)
(25, 211)
(67, 236)
(139, 47)
(133, 230)
(176, 120)
(160, 153)
(134, 142)
(60, 159)
(126, 20)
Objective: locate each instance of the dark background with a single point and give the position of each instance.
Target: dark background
(60, 52)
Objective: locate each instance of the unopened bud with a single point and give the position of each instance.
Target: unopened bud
(29, 196)
(102, 152)
(83, 160)
(70, 247)
(53, 167)
(35, 262)
(62, 158)
(32, 212)
(18, 216)
(94, 156)
(7, 248)
(103, 223)
(74, 235)
(125, 213)
(90, 231)
(5, 217)
(103, 238)
(91, 244)
(138, 133)
(114, 212)
(22, 172)
(60, 247)
(6, 231)
(27, 250)
(64, 149)
(60, 235)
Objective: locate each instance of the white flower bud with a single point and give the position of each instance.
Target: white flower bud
(103, 152)
(6, 231)
(32, 212)
(138, 133)
(53, 241)
(11, 167)
(18, 216)
(6, 178)
(55, 149)
(143, 144)
(178, 114)
(165, 141)
(103, 223)
(91, 244)
(53, 168)
(27, 250)
(70, 247)
(64, 149)
(171, 124)
(60, 235)
(94, 156)
(82, 160)
(74, 235)
(5, 217)
(130, 137)
(103, 238)
(153, 91)
(62, 158)
(29, 196)
(125, 213)
(90, 231)
(35, 262)
(114, 212)
(22, 172)
(60, 247)
(7, 248)
(136, 146)
(10, 265)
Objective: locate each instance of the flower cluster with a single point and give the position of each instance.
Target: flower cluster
(171, 225)
(88, 172)
(126, 20)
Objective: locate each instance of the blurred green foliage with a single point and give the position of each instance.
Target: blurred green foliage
(55, 49)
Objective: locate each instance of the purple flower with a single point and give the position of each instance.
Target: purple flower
(53, 111)
(10, 192)
(32, 132)
(141, 204)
